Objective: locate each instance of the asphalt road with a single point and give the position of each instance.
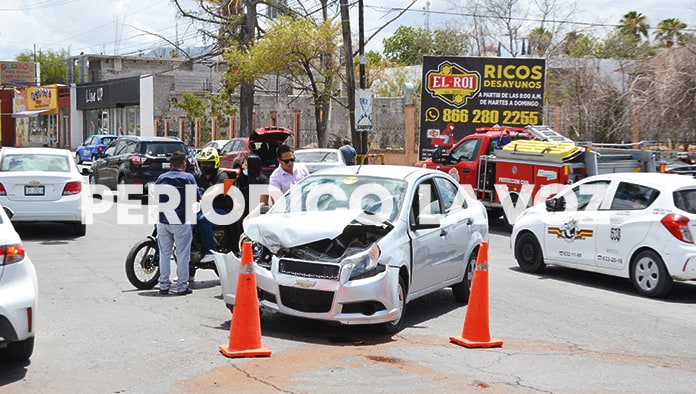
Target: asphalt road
(563, 332)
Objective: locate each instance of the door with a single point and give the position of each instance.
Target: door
(427, 242)
(466, 158)
(618, 225)
(569, 236)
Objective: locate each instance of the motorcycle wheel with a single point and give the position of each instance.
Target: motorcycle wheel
(142, 264)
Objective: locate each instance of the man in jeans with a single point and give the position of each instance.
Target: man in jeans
(174, 230)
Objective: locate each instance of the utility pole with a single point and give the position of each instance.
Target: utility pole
(350, 77)
(362, 61)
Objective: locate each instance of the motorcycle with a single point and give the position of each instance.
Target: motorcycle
(142, 261)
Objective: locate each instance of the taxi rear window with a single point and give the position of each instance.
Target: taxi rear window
(685, 200)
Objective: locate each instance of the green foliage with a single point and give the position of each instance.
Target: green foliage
(669, 32)
(579, 45)
(619, 45)
(193, 105)
(53, 64)
(539, 41)
(408, 45)
(294, 47)
(635, 25)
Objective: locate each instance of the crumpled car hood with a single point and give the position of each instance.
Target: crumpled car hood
(287, 230)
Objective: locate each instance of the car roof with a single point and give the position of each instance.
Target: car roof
(316, 150)
(150, 138)
(34, 150)
(381, 171)
(655, 179)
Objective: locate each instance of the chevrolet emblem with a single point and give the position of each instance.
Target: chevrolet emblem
(305, 283)
(34, 183)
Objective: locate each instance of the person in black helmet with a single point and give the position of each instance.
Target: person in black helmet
(210, 174)
(250, 175)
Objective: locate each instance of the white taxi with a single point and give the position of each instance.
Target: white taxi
(631, 225)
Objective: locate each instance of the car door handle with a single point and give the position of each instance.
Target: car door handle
(469, 221)
(443, 232)
(465, 170)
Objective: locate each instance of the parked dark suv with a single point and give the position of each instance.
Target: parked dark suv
(136, 160)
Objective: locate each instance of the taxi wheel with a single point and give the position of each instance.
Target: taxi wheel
(528, 253)
(462, 289)
(649, 275)
(393, 327)
(78, 159)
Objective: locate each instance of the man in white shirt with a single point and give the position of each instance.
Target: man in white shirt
(288, 173)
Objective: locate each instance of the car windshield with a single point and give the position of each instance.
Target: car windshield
(685, 200)
(34, 162)
(315, 157)
(162, 149)
(381, 196)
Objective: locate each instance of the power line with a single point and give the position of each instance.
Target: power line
(474, 15)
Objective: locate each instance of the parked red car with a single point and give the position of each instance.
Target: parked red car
(262, 142)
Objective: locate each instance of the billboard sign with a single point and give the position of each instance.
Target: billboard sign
(18, 73)
(461, 94)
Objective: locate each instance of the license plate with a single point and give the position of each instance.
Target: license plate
(165, 166)
(34, 190)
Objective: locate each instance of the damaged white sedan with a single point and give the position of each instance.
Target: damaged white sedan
(354, 244)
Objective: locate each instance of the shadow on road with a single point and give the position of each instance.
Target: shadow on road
(418, 313)
(682, 293)
(49, 232)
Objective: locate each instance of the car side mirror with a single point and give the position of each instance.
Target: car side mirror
(8, 212)
(437, 155)
(555, 204)
(86, 171)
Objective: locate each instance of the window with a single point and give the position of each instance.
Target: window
(588, 196)
(685, 200)
(467, 150)
(448, 194)
(631, 196)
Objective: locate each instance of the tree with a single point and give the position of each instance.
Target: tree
(53, 64)
(297, 48)
(577, 44)
(539, 41)
(408, 45)
(194, 107)
(669, 32)
(634, 24)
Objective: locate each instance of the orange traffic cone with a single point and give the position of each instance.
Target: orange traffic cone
(475, 333)
(245, 327)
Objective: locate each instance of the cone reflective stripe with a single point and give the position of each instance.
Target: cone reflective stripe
(476, 333)
(245, 327)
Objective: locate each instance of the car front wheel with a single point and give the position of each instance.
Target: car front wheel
(393, 327)
(78, 159)
(649, 275)
(528, 253)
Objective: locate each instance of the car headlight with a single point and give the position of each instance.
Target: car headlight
(365, 263)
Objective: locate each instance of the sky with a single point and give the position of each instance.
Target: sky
(129, 27)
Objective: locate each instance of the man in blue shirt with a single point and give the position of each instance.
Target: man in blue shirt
(348, 153)
(175, 232)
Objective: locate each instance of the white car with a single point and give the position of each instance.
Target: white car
(18, 295)
(353, 245)
(316, 159)
(631, 225)
(43, 185)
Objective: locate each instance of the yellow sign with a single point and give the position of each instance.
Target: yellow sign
(39, 98)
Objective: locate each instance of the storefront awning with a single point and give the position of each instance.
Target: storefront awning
(28, 114)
